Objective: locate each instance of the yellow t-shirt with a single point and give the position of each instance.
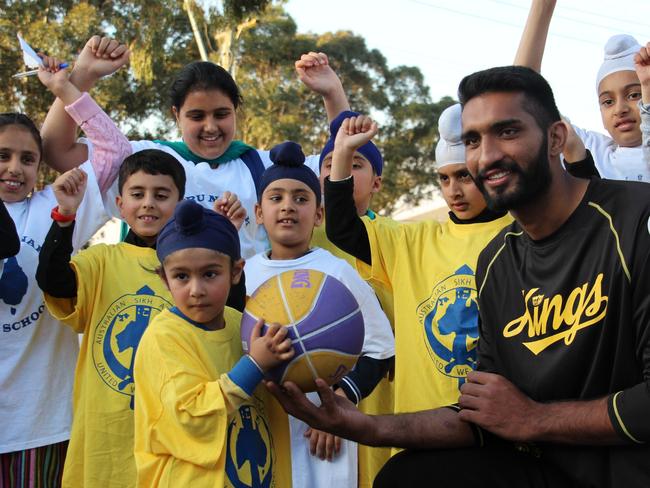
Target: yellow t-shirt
(194, 426)
(430, 267)
(383, 291)
(380, 401)
(118, 293)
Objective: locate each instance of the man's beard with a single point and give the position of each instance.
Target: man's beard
(530, 184)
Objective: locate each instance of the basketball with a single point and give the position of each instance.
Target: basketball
(324, 320)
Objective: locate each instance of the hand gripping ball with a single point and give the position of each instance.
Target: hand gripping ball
(324, 320)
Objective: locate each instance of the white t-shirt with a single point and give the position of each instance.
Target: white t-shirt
(379, 343)
(620, 163)
(614, 162)
(205, 185)
(37, 353)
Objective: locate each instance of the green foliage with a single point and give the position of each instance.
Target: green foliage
(277, 107)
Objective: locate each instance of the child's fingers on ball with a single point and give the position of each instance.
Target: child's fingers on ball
(256, 333)
(330, 443)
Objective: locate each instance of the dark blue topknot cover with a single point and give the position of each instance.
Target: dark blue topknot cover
(189, 217)
(194, 226)
(288, 153)
(288, 162)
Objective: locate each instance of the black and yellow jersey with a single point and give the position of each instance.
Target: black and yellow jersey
(568, 318)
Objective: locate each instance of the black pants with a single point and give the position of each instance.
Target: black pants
(470, 467)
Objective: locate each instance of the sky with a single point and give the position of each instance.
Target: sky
(449, 39)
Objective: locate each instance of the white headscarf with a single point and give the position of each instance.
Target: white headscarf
(450, 148)
(619, 56)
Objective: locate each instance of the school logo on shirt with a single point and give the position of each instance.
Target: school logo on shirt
(13, 284)
(118, 334)
(250, 456)
(547, 320)
(450, 321)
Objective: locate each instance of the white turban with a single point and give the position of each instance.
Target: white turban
(619, 56)
(450, 148)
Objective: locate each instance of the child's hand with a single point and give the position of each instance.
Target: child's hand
(101, 56)
(230, 206)
(642, 66)
(314, 71)
(355, 132)
(51, 75)
(323, 445)
(272, 348)
(574, 149)
(69, 189)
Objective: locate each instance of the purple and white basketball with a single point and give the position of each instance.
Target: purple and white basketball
(324, 320)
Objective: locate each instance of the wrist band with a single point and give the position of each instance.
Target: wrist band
(57, 217)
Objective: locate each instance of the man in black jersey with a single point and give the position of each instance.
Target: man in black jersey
(562, 395)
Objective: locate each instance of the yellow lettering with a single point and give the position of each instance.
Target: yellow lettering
(584, 307)
(516, 326)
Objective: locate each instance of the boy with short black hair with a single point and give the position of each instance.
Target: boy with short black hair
(109, 293)
(289, 207)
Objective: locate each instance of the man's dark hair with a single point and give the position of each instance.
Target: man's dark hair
(538, 96)
(153, 162)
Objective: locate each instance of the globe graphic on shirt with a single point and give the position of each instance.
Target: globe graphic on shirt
(449, 319)
(13, 284)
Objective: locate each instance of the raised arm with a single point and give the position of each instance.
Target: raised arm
(54, 274)
(110, 146)
(315, 72)
(347, 230)
(533, 40)
(642, 65)
(100, 57)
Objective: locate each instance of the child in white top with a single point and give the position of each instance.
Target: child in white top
(623, 89)
(289, 207)
(38, 354)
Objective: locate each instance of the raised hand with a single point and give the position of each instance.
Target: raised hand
(355, 132)
(69, 189)
(101, 56)
(642, 66)
(574, 149)
(230, 206)
(314, 71)
(272, 348)
(50, 74)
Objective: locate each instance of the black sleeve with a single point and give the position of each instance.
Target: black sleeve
(237, 295)
(54, 274)
(628, 409)
(9, 240)
(585, 168)
(343, 226)
(363, 378)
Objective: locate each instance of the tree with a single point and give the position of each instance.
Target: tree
(157, 32)
(278, 108)
(262, 42)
